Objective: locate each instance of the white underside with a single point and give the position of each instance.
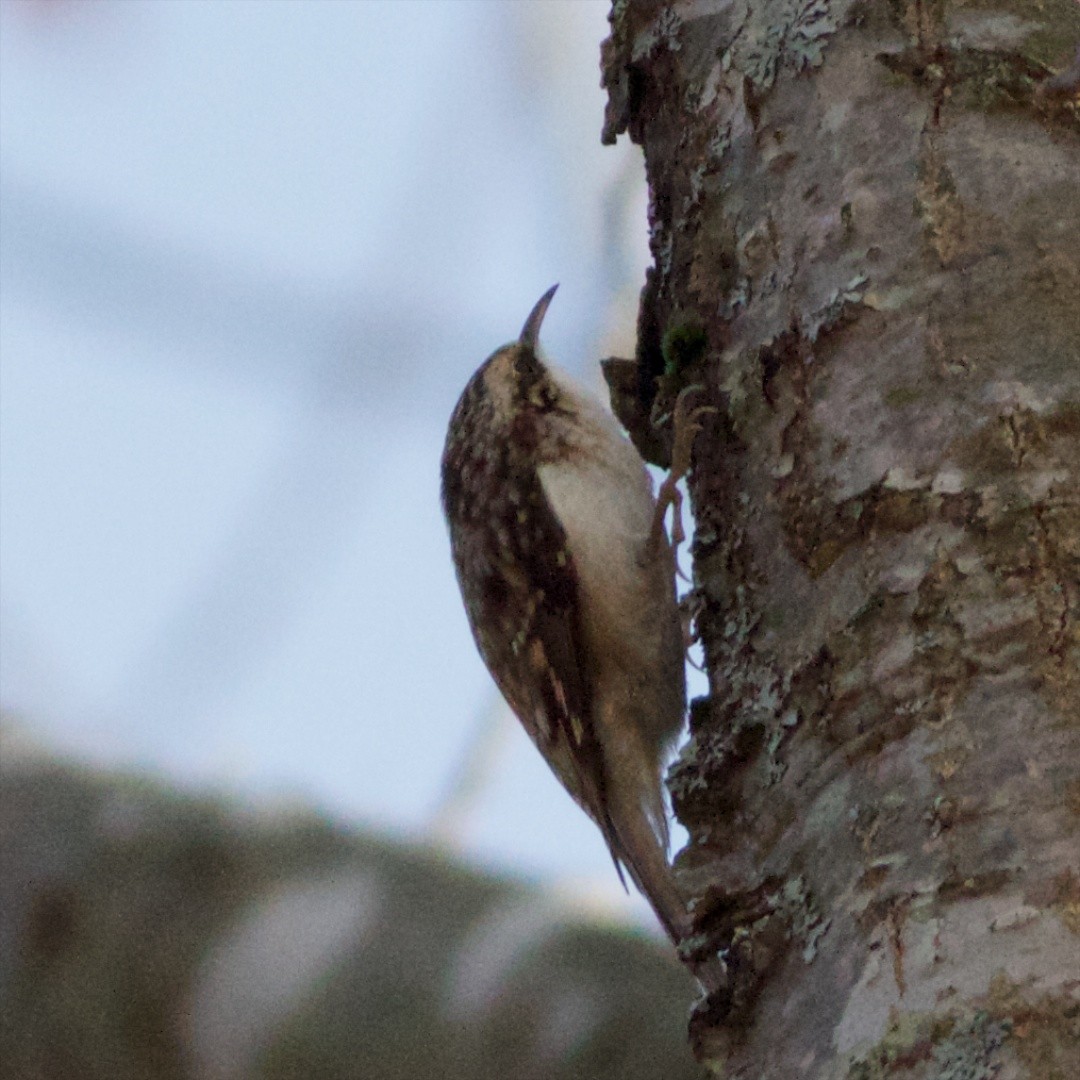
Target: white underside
(602, 495)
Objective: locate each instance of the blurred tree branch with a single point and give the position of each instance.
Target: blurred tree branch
(145, 934)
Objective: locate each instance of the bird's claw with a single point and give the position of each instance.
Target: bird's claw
(686, 423)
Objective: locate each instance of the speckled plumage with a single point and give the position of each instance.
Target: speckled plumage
(570, 596)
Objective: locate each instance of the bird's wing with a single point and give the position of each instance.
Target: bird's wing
(522, 594)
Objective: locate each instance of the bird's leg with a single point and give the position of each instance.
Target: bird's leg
(686, 423)
(689, 608)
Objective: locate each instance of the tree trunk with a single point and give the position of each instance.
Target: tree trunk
(866, 231)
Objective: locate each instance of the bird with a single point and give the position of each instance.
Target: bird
(568, 581)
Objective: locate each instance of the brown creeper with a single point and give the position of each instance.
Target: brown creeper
(569, 585)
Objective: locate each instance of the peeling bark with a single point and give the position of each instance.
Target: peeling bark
(865, 224)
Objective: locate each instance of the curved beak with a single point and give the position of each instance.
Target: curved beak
(530, 332)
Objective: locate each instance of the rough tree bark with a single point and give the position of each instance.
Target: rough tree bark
(866, 231)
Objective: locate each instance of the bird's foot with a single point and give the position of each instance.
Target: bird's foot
(686, 423)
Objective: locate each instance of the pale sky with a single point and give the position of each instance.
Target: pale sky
(250, 253)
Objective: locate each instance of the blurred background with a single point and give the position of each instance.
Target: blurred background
(251, 253)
